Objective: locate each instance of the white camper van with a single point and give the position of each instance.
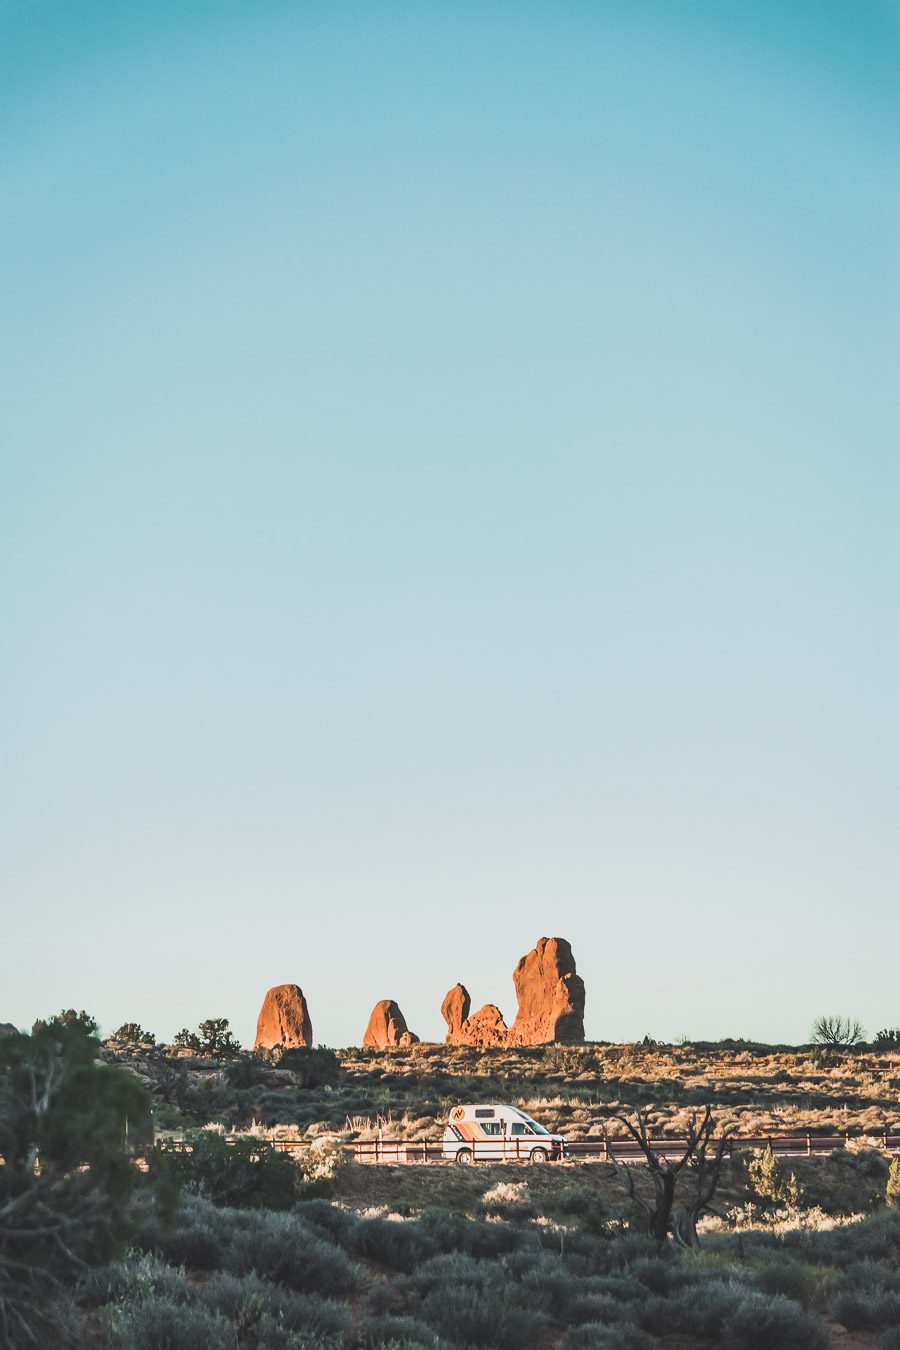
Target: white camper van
(497, 1133)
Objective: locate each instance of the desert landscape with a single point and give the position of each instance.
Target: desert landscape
(449, 566)
(278, 1196)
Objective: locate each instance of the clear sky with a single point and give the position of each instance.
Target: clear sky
(450, 496)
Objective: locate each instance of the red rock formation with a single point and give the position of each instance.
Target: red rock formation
(387, 1026)
(283, 1019)
(550, 994)
(551, 1003)
(486, 1027)
(455, 1012)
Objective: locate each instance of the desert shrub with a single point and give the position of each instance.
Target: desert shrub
(889, 1339)
(59, 1104)
(866, 1308)
(486, 1313)
(577, 1201)
(278, 1247)
(597, 1336)
(836, 1031)
(255, 1307)
(336, 1224)
(240, 1172)
(67, 1018)
(398, 1244)
(244, 1072)
(659, 1275)
(509, 1200)
(453, 1233)
(784, 1276)
(892, 1187)
(449, 1268)
(768, 1180)
(319, 1067)
(700, 1310)
(761, 1322)
(870, 1275)
(216, 1039)
(321, 1162)
(395, 1333)
(546, 1281)
(185, 1039)
(870, 1162)
(887, 1039)
(163, 1324)
(596, 1308)
(192, 1246)
(878, 1239)
(132, 1033)
(131, 1281)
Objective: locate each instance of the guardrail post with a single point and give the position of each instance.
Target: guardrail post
(808, 1144)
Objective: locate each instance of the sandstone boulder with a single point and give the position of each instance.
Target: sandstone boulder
(550, 994)
(283, 1019)
(387, 1026)
(486, 1027)
(455, 1012)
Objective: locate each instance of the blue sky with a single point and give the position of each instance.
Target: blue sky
(449, 496)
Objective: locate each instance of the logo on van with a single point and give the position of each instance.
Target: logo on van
(457, 1113)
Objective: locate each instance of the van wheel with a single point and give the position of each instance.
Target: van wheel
(538, 1155)
(464, 1157)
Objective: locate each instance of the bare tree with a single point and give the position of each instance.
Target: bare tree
(837, 1032)
(700, 1153)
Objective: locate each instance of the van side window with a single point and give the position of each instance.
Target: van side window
(520, 1129)
(484, 1113)
(491, 1126)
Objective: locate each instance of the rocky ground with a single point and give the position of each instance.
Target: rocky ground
(578, 1090)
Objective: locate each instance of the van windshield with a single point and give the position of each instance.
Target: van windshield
(538, 1128)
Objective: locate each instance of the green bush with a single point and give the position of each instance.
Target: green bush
(596, 1336)
(132, 1033)
(398, 1244)
(319, 1067)
(596, 1308)
(132, 1281)
(59, 1104)
(768, 1181)
(452, 1233)
(763, 1322)
(163, 1324)
(192, 1246)
(785, 1276)
(870, 1275)
(659, 1275)
(547, 1282)
(700, 1310)
(279, 1247)
(239, 1172)
(255, 1307)
(488, 1312)
(866, 1308)
(329, 1221)
(395, 1333)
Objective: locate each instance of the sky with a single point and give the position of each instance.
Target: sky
(449, 497)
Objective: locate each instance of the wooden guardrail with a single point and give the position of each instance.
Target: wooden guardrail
(616, 1149)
